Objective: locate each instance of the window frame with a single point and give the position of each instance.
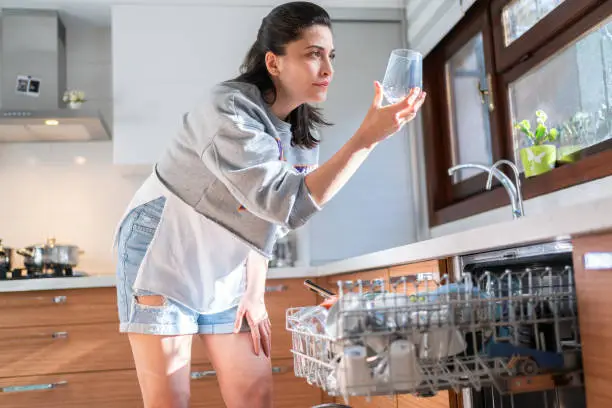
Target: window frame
(448, 202)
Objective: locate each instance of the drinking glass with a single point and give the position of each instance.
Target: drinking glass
(404, 72)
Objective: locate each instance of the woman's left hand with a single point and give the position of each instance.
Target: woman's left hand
(253, 309)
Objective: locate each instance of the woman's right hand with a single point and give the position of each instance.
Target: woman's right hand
(383, 121)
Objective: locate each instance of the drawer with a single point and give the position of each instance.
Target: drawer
(374, 402)
(288, 391)
(106, 389)
(116, 389)
(57, 307)
(63, 349)
(282, 294)
(119, 389)
(440, 400)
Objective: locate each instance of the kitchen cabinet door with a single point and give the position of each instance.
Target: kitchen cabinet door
(593, 274)
(58, 307)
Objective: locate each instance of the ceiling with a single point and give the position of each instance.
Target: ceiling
(97, 12)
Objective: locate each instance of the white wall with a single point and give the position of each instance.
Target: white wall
(166, 58)
(69, 190)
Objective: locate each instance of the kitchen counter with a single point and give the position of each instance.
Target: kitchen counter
(557, 224)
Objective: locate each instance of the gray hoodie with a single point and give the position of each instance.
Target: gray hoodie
(233, 162)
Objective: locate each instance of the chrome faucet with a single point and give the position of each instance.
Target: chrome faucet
(514, 191)
(517, 184)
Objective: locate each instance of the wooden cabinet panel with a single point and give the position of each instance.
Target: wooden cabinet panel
(290, 391)
(437, 268)
(441, 400)
(58, 307)
(282, 294)
(374, 402)
(63, 349)
(119, 389)
(107, 389)
(595, 317)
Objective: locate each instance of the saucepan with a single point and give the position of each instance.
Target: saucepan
(50, 253)
(7, 257)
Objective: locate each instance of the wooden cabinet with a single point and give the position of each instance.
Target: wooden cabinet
(27, 351)
(593, 274)
(57, 307)
(106, 389)
(62, 348)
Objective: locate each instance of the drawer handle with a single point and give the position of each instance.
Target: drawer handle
(60, 299)
(60, 335)
(278, 288)
(196, 375)
(279, 370)
(597, 261)
(33, 387)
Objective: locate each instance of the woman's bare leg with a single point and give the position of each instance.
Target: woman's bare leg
(163, 365)
(245, 378)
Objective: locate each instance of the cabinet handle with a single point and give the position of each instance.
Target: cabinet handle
(60, 335)
(597, 261)
(196, 375)
(278, 288)
(60, 299)
(279, 370)
(33, 387)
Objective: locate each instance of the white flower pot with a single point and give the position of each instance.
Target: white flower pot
(75, 105)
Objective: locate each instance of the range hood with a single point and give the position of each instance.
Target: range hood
(33, 81)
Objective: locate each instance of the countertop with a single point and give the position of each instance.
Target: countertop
(557, 224)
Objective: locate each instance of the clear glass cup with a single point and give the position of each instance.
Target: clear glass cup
(404, 72)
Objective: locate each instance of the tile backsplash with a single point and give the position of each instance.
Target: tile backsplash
(70, 191)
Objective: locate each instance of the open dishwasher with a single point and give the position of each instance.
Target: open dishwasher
(502, 331)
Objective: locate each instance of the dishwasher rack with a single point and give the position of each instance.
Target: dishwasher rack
(421, 335)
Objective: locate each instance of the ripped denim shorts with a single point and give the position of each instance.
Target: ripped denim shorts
(169, 317)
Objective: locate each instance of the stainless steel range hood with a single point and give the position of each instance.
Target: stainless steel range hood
(33, 81)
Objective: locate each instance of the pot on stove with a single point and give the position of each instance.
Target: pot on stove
(50, 253)
(7, 257)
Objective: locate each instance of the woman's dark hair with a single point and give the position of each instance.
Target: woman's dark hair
(283, 25)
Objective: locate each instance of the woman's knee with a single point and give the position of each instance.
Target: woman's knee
(256, 393)
(163, 369)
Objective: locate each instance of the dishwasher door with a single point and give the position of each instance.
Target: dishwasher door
(544, 273)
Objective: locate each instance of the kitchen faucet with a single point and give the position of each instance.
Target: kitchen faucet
(517, 183)
(514, 191)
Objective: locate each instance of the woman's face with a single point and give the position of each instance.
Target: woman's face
(305, 71)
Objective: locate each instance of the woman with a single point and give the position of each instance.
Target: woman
(194, 244)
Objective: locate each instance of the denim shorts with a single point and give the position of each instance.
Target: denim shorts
(169, 318)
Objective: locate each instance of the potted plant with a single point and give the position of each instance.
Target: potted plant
(540, 157)
(74, 98)
(574, 133)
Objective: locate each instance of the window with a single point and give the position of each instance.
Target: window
(519, 16)
(573, 88)
(503, 62)
(466, 79)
